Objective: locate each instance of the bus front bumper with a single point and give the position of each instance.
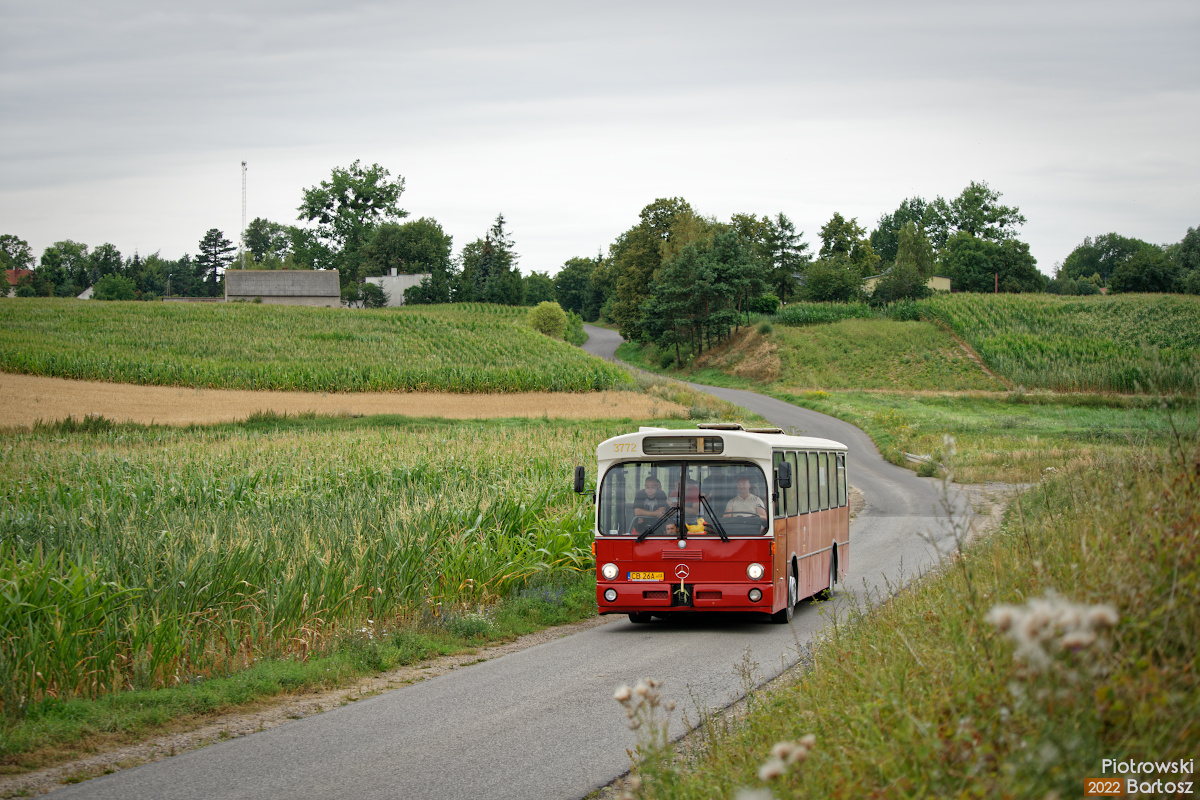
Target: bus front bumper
(627, 598)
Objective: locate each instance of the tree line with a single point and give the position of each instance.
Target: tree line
(675, 277)
(352, 222)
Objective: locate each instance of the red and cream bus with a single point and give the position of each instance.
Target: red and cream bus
(730, 544)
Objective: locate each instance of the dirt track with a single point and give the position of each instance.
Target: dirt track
(28, 398)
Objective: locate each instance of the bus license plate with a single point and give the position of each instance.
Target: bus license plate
(645, 576)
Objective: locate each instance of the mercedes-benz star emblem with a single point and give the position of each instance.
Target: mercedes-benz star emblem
(681, 571)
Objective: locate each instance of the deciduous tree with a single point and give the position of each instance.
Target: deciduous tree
(538, 287)
(15, 252)
(846, 239)
(573, 282)
(637, 255)
(1147, 270)
(1101, 256)
(409, 248)
(348, 207)
(267, 240)
(978, 265)
(977, 211)
(114, 287)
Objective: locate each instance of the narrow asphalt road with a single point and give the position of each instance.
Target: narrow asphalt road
(541, 723)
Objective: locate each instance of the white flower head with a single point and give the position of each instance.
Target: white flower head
(772, 769)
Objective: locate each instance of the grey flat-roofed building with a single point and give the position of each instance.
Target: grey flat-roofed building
(288, 287)
(393, 285)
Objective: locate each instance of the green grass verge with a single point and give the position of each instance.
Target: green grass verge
(924, 696)
(876, 354)
(454, 348)
(54, 730)
(1016, 436)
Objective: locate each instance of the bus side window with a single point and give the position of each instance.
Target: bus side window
(780, 494)
(841, 478)
(814, 504)
(792, 493)
(801, 483)
(823, 466)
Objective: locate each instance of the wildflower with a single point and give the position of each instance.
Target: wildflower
(753, 794)
(1051, 624)
(772, 769)
(1102, 617)
(622, 694)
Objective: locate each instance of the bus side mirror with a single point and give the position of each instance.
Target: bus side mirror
(783, 475)
(580, 479)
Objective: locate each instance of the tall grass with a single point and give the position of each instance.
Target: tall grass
(461, 348)
(140, 557)
(926, 696)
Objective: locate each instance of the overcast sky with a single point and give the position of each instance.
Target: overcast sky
(126, 122)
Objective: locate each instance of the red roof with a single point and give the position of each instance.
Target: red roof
(15, 275)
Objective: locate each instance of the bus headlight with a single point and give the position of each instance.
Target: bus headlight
(755, 595)
(609, 571)
(755, 571)
(610, 595)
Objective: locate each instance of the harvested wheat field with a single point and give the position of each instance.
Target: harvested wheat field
(29, 398)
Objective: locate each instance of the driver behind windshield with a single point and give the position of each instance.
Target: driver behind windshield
(745, 504)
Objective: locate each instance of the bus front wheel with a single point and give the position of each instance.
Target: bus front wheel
(784, 615)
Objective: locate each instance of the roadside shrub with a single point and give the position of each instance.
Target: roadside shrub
(764, 304)
(548, 318)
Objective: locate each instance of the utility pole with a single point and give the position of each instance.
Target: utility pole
(242, 246)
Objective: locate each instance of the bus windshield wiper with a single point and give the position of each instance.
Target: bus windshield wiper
(675, 508)
(716, 522)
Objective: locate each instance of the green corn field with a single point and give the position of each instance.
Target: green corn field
(459, 348)
(1123, 343)
(138, 557)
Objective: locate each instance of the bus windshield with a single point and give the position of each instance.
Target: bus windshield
(636, 495)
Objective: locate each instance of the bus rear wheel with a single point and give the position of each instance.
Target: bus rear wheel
(827, 594)
(640, 616)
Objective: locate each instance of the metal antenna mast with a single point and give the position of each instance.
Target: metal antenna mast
(242, 246)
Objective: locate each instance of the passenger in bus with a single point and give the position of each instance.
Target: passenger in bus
(746, 504)
(672, 529)
(650, 502)
(691, 506)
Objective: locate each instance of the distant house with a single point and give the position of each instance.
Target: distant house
(14, 276)
(938, 283)
(287, 287)
(393, 285)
